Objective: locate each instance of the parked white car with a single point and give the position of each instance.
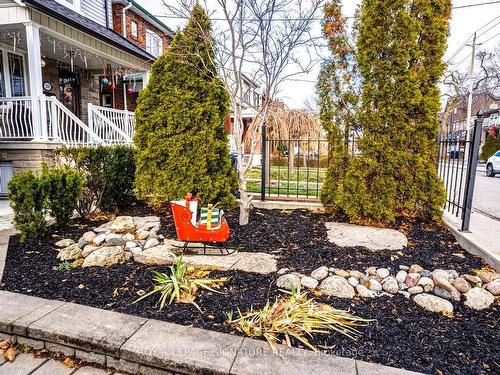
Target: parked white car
(493, 165)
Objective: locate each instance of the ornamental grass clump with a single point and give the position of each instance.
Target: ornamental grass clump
(181, 286)
(296, 316)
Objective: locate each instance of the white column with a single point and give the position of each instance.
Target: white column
(39, 113)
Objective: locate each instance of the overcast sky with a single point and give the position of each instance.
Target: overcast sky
(463, 24)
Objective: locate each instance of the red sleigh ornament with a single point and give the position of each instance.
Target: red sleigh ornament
(189, 230)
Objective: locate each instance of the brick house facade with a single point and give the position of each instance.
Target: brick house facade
(139, 23)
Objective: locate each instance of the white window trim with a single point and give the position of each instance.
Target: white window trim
(156, 37)
(75, 6)
(132, 24)
(6, 70)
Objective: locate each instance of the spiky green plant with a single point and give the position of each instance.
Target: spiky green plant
(181, 285)
(295, 315)
(65, 266)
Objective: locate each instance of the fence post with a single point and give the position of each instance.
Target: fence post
(471, 172)
(263, 164)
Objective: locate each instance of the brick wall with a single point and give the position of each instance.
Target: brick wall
(142, 26)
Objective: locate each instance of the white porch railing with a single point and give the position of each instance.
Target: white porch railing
(53, 121)
(16, 121)
(65, 127)
(122, 119)
(115, 129)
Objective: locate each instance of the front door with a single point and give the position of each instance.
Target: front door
(69, 90)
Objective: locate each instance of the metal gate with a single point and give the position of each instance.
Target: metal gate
(457, 165)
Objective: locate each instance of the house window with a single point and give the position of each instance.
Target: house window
(153, 43)
(16, 73)
(133, 29)
(73, 4)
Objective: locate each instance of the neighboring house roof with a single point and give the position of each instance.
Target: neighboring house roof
(66, 15)
(144, 13)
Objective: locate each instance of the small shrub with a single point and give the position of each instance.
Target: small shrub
(181, 285)
(296, 316)
(27, 200)
(66, 266)
(63, 187)
(108, 173)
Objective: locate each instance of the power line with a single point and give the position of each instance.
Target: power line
(174, 16)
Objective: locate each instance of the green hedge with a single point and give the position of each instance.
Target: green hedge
(31, 197)
(108, 173)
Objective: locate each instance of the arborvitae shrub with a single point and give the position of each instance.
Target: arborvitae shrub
(180, 138)
(27, 197)
(108, 173)
(63, 187)
(400, 48)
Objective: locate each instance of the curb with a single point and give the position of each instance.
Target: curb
(471, 244)
(139, 345)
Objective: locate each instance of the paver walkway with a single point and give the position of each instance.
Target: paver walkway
(27, 364)
(6, 216)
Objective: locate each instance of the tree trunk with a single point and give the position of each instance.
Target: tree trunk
(245, 203)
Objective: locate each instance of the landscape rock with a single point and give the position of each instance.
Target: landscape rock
(71, 252)
(443, 293)
(412, 279)
(341, 273)
(82, 244)
(320, 273)
(426, 281)
(402, 286)
(103, 228)
(88, 237)
(415, 268)
(443, 283)
(374, 239)
(282, 271)
(309, 282)
(493, 287)
(65, 242)
(433, 303)
(105, 257)
(122, 224)
(131, 244)
(89, 249)
(487, 276)
(128, 255)
(336, 286)
(371, 271)
(390, 285)
(452, 274)
(440, 273)
(415, 289)
(113, 239)
(404, 293)
(478, 298)
(461, 285)
(152, 242)
(358, 275)
(401, 276)
(128, 237)
(404, 268)
(373, 284)
(474, 280)
(142, 234)
(383, 272)
(99, 239)
(426, 273)
(365, 292)
(353, 281)
(288, 282)
(158, 255)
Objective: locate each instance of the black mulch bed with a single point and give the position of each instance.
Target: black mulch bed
(403, 335)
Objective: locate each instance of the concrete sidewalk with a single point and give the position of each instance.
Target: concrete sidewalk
(483, 238)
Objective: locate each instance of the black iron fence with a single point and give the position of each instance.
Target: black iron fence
(457, 165)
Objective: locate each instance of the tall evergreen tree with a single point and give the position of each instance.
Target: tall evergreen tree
(180, 138)
(399, 52)
(338, 94)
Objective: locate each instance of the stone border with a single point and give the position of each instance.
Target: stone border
(134, 344)
(471, 244)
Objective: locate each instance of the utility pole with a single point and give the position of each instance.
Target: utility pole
(471, 88)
